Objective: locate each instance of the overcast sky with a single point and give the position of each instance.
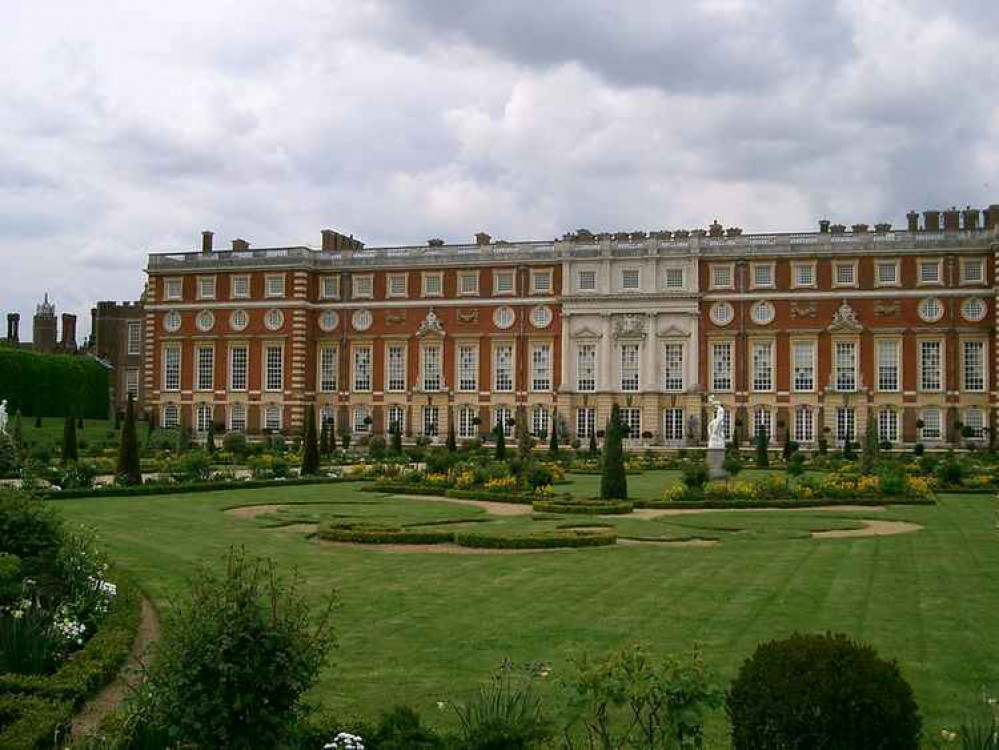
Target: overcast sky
(129, 125)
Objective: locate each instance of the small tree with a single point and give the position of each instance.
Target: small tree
(183, 439)
(324, 439)
(397, 439)
(345, 435)
(789, 445)
(732, 463)
(500, 432)
(210, 438)
(848, 452)
(593, 450)
(613, 479)
(553, 439)
(762, 454)
(129, 470)
(451, 444)
(525, 443)
(70, 454)
(871, 449)
(310, 447)
(333, 446)
(9, 462)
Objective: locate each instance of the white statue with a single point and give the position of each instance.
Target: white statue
(716, 427)
(3, 417)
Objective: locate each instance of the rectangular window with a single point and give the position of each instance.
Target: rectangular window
(327, 368)
(803, 274)
(171, 368)
(364, 286)
(205, 375)
(845, 423)
(762, 424)
(803, 353)
(721, 276)
(173, 289)
(631, 418)
(240, 287)
(673, 278)
(539, 422)
(541, 367)
(586, 422)
(468, 283)
(763, 275)
(238, 367)
(763, 366)
(503, 282)
(503, 417)
(974, 366)
(804, 424)
(974, 423)
(396, 418)
(845, 274)
(929, 272)
(466, 421)
(930, 365)
(132, 382)
(541, 282)
(721, 366)
(397, 285)
(362, 419)
(395, 361)
(846, 366)
(329, 287)
(237, 418)
(134, 337)
(431, 368)
(274, 285)
(431, 420)
(362, 368)
(972, 270)
(586, 368)
(503, 368)
(673, 425)
(273, 368)
(888, 426)
(206, 287)
(587, 281)
(888, 365)
(673, 366)
(171, 416)
(629, 367)
(886, 272)
(931, 429)
(433, 284)
(272, 418)
(631, 279)
(468, 368)
(204, 417)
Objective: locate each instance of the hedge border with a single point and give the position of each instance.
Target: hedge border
(738, 504)
(368, 534)
(36, 721)
(490, 496)
(192, 487)
(584, 507)
(560, 538)
(399, 488)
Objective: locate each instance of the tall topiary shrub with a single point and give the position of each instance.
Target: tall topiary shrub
(553, 439)
(525, 443)
(592, 448)
(397, 440)
(70, 454)
(310, 446)
(324, 439)
(821, 691)
(613, 479)
(210, 439)
(762, 454)
(129, 470)
(17, 434)
(871, 449)
(9, 458)
(451, 444)
(500, 431)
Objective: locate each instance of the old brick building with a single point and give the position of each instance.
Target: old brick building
(818, 333)
(116, 337)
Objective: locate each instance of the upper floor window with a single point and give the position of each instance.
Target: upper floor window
(889, 363)
(273, 367)
(396, 284)
(206, 287)
(673, 366)
(171, 368)
(930, 271)
(763, 366)
(846, 365)
(204, 379)
(468, 368)
(586, 368)
(134, 337)
(721, 366)
(275, 285)
(364, 286)
(503, 368)
(930, 365)
(629, 367)
(722, 276)
(845, 273)
(432, 368)
(803, 274)
(673, 278)
(239, 357)
(362, 368)
(803, 353)
(502, 282)
(587, 281)
(329, 287)
(240, 288)
(395, 380)
(541, 282)
(541, 367)
(763, 275)
(973, 371)
(886, 273)
(631, 279)
(972, 270)
(327, 369)
(433, 284)
(468, 283)
(173, 289)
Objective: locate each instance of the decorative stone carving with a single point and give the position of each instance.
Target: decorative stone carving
(886, 309)
(468, 316)
(431, 325)
(803, 310)
(630, 326)
(395, 318)
(845, 319)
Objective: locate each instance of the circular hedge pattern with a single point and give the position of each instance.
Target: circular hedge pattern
(584, 507)
(575, 537)
(373, 533)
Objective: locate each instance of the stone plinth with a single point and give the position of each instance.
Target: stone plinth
(716, 457)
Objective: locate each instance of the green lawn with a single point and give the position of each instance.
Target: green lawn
(95, 434)
(420, 627)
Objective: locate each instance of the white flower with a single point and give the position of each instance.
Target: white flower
(441, 705)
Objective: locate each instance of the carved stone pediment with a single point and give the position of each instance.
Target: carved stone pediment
(630, 327)
(845, 320)
(431, 325)
(673, 332)
(585, 332)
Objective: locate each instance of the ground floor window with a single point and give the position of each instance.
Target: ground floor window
(204, 415)
(171, 416)
(237, 417)
(762, 423)
(673, 425)
(467, 417)
(327, 417)
(539, 422)
(631, 418)
(362, 419)
(272, 418)
(932, 425)
(888, 426)
(804, 424)
(431, 420)
(974, 423)
(503, 417)
(586, 422)
(845, 423)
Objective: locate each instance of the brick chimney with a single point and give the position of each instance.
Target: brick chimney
(992, 217)
(13, 324)
(68, 332)
(952, 220)
(435, 242)
(481, 238)
(931, 221)
(913, 218)
(206, 241)
(970, 216)
(240, 244)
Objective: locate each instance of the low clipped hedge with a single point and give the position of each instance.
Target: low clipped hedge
(190, 487)
(30, 722)
(370, 533)
(816, 503)
(401, 488)
(576, 537)
(584, 507)
(490, 496)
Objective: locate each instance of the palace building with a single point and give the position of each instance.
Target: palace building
(822, 334)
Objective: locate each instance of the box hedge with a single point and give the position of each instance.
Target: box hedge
(370, 533)
(574, 537)
(584, 507)
(191, 487)
(29, 723)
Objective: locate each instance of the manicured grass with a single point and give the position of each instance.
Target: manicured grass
(95, 434)
(418, 627)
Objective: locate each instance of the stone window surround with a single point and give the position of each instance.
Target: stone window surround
(837, 264)
(762, 264)
(795, 265)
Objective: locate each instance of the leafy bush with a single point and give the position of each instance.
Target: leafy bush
(540, 476)
(375, 533)
(613, 479)
(235, 443)
(30, 722)
(401, 728)
(584, 507)
(235, 660)
(28, 528)
(695, 475)
(578, 537)
(810, 691)
(950, 472)
(193, 466)
(376, 447)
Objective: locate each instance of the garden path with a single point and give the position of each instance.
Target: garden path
(871, 528)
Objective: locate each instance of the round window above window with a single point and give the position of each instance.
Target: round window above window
(973, 309)
(504, 317)
(328, 320)
(274, 319)
(541, 316)
(722, 313)
(762, 313)
(931, 310)
(171, 321)
(362, 320)
(239, 320)
(205, 320)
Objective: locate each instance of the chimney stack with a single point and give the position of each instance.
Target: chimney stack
(913, 219)
(13, 324)
(206, 241)
(68, 332)
(970, 216)
(329, 241)
(952, 220)
(239, 244)
(992, 217)
(931, 221)
(824, 226)
(481, 238)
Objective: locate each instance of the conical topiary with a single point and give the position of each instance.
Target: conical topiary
(129, 470)
(613, 480)
(310, 448)
(69, 449)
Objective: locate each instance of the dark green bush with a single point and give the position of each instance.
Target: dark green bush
(28, 528)
(613, 479)
(235, 443)
(695, 475)
(540, 476)
(53, 385)
(584, 507)
(373, 533)
(376, 447)
(28, 722)
(821, 691)
(400, 728)
(505, 714)
(579, 537)
(950, 472)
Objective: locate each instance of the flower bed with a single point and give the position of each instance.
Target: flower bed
(584, 507)
(575, 537)
(371, 533)
(816, 503)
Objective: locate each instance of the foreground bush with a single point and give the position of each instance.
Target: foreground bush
(235, 660)
(821, 691)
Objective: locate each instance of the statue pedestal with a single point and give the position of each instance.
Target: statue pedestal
(716, 457)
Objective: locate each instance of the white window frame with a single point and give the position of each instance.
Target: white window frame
(233, 286)
(361, 368)
(673, 366)
(637, 272)
(369, 282)
(762, 375)
(801, 385)
(632, 417)
(854, 280)
(272, 386)
(204, 374)
(272, 417)
(977, 430)
(846, 424)
(327, 367)
(395, 366)
(168, 284)
(432, 367)
(467, 363)
(504, 274)
(922, 263)
(425, 282)
(923, 372)
(728, 269)
(132, 382)
(982, 379)
(715, 348)
(502, 416)
(579, 279)
(587, 384)
(884, 367)
(630, 380)
(965, 264)
(763, 417)
(391, 279)
(846, 371)
(204, 415)
(673, 421)
(233, 424)
(172, 371)
(797, 266)
(539, 421)
(804, 424)
(505, 385)
(586, 422)
(674, 277)
(935, 432)
(361, 413)
(541, 367)
(243, 370)
(430, 420)
(887, 419)
(170, 416)
(395, 417)
(467, 415)
(473, 290)
(895, 265)
(770, 267)
(133, 334)
(203, 292)
(271, 283)
(548, 275)
(329, 286)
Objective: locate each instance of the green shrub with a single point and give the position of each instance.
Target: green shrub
(950, 472)
(53, 385)
(613, 479)
(695, 476)
(235, 443)
(401, 728)
(540, 476)
(375, 533)
(732, 463)
(580, 537)
(193, 466)
(796, 464)
(236, 658)
(506, 713)
(28, 722)
(28, 528)
(310, 452)
(129, 471)
(584, 507)
(376, 447)
(811, 691)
